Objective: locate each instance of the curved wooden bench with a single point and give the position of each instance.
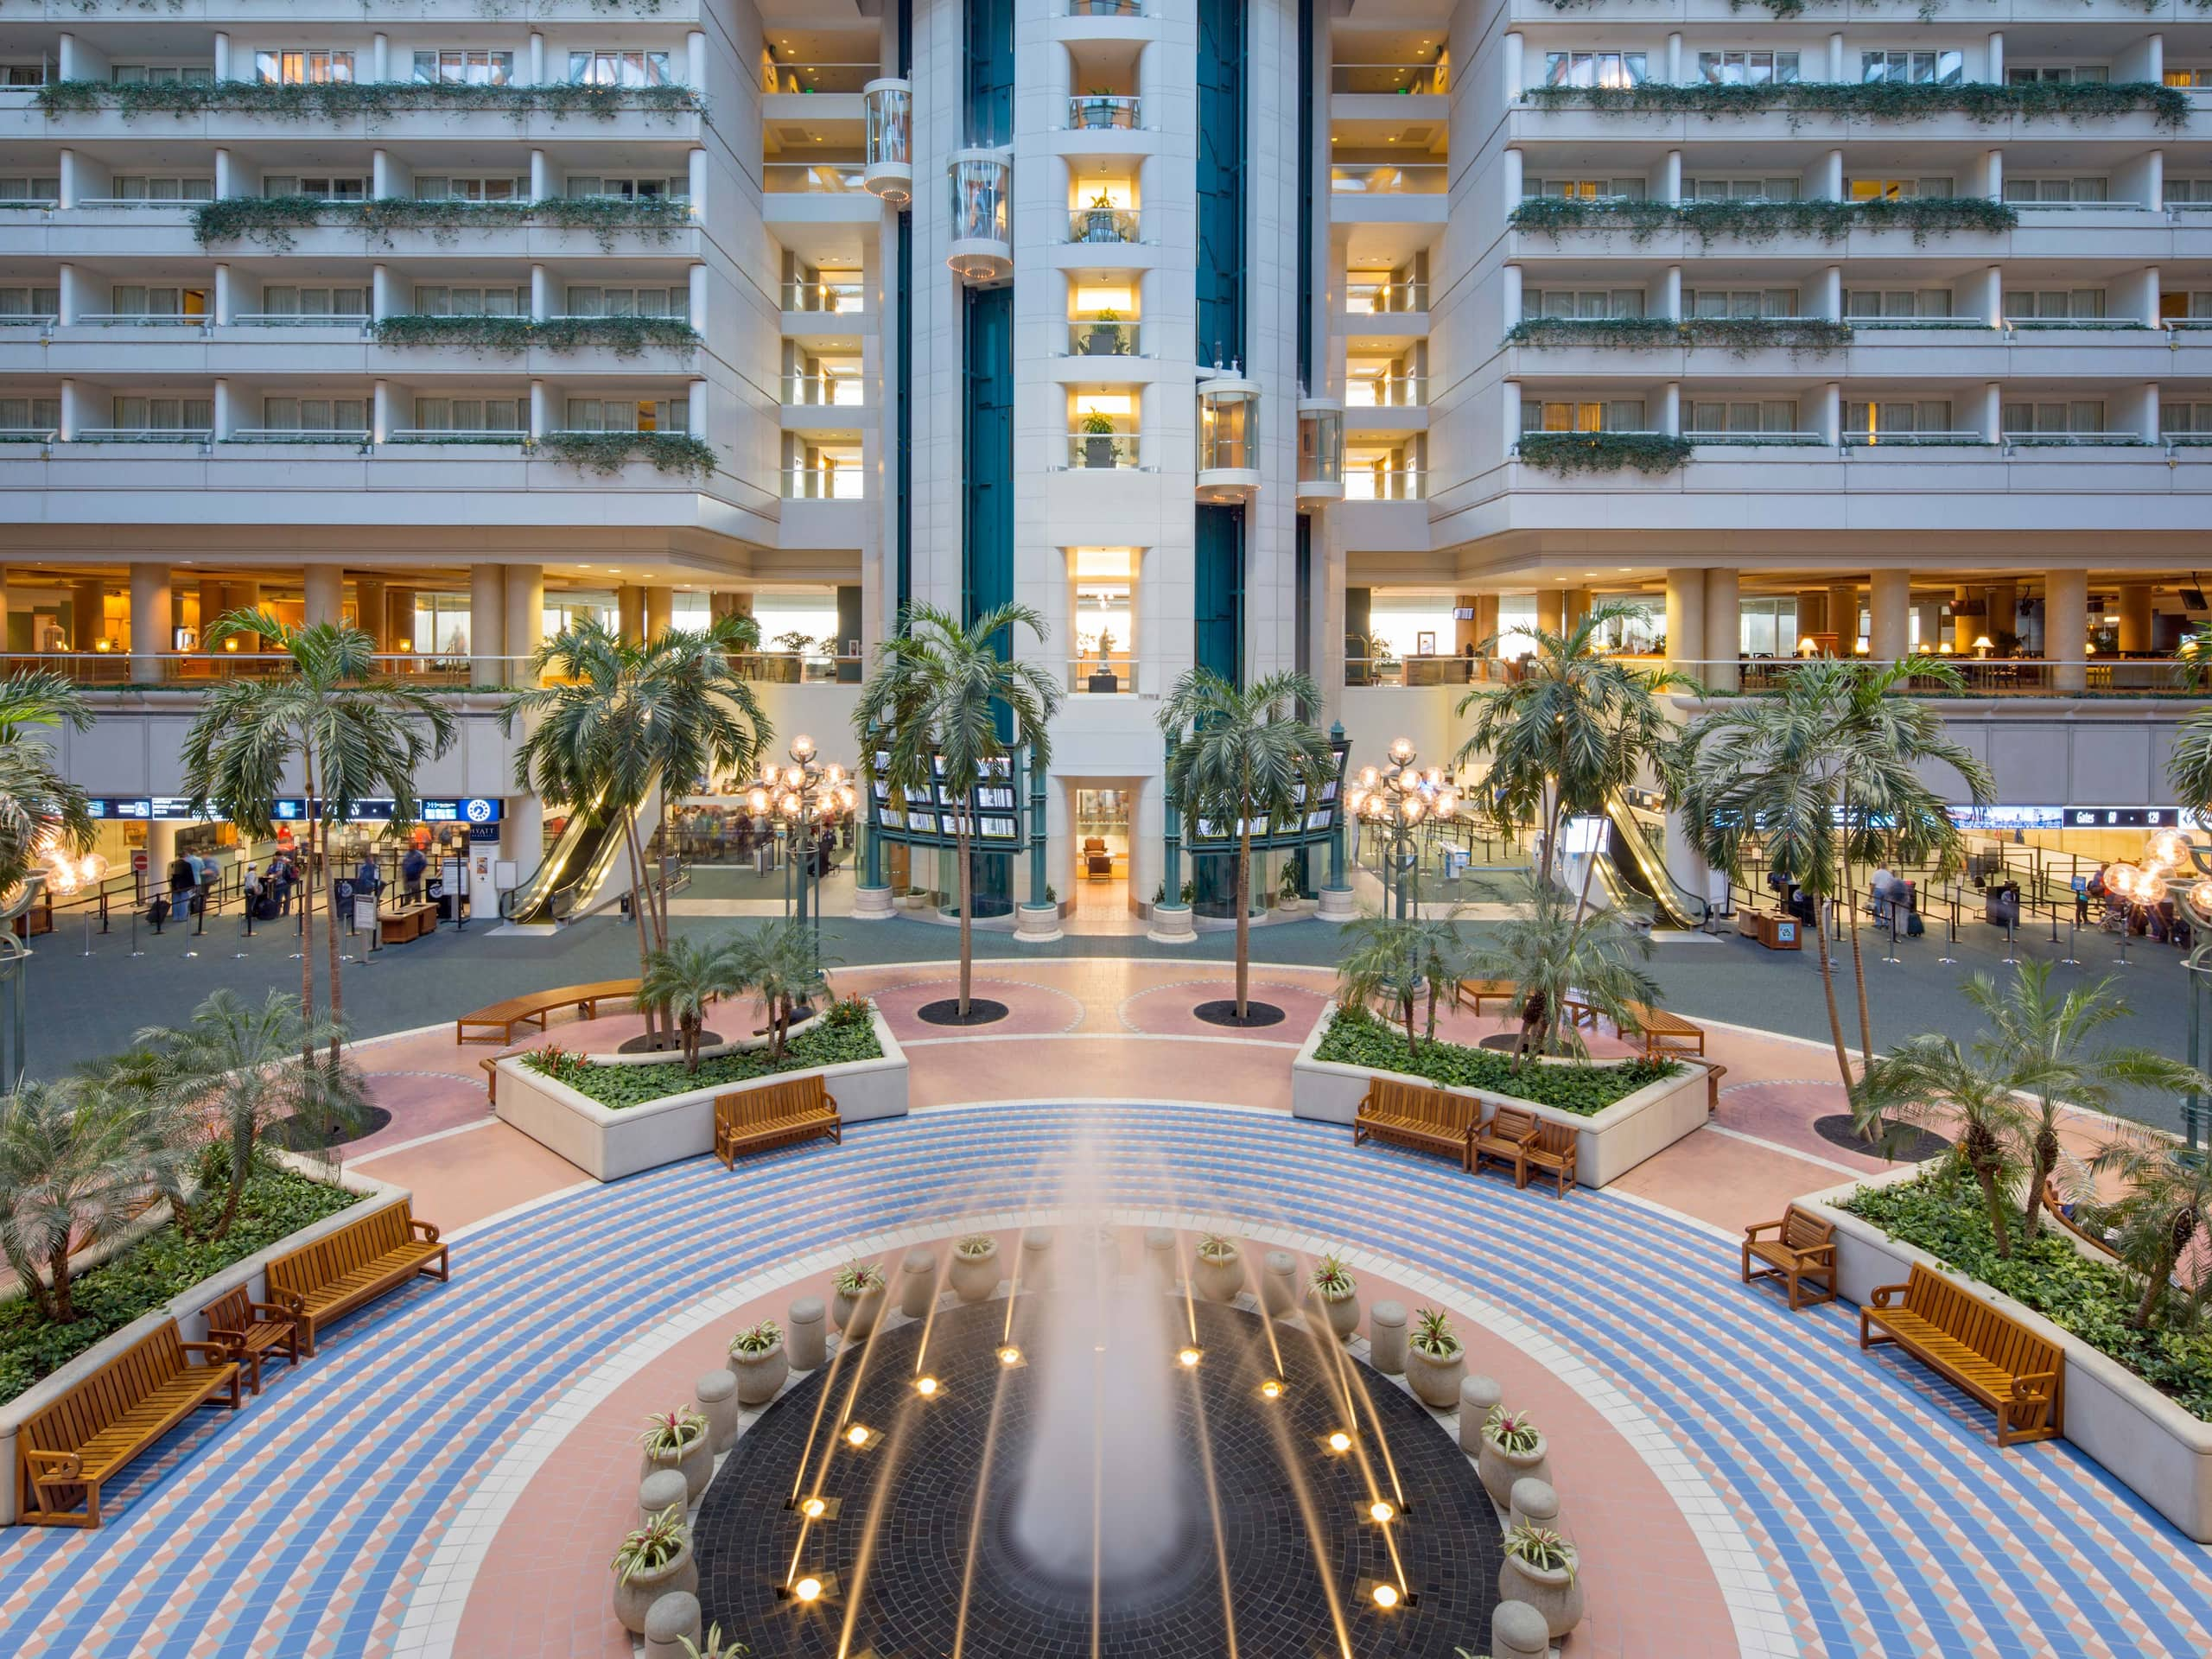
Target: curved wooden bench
(81, 1439)
(1804, 1247)
(498, 1022)
(773, 1115)
(1412, 1115)
(1992, 1356)
(356, 1264)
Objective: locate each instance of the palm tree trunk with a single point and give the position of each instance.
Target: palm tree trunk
(638, 903)
(34, 1286)
(307, 903)
(1828, 990)
(1857, 960)
(65, 1306)
(1243, 918)
(241, 1138)
(330, 951)
(967, 929)
(2154, 1291)
(2046, 1160)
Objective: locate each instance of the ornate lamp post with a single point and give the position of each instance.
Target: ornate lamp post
(1397, 799)
(805, 800)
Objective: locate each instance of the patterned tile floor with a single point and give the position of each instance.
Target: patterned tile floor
(1870, 1510)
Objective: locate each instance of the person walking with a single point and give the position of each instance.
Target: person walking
(411, 875)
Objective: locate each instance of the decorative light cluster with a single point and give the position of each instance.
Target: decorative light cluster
(2167, 860)
(1401, 792)
(63, 874)
(803, 792)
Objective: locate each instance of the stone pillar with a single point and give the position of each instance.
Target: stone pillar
(2066, 627)
(3, 608)
(150, 620)
(660, 610)
(1843, 616)
(1964, 625)
(87, 613)
(324, 588)
(525, 629)
(244, 596)
(1812, 614)
(522, 834)
(1577, 606)
(2134, 616)
(630, 606)
(1724, 629)
(1686, 620)
(1551, 609)
(1469, 632)
(2004, 615)
(487, 622)
(1889, 627)
(399, 622)
(369, 611)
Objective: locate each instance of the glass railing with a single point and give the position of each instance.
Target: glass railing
(1376, 299)
(1386, 392)
(1102, 224)
(2072, 440)
(819, 77)
(1113, 674)
(843, 391)
(1098, 338)
(795, 667)
(1391, 178)
(1401, 78)
(145, 319)
(1462, 669)
(1384, 483)
(29, 320)
(144, 434)
(1103, 112)
(456, 434)
(300, 319)
(1105, 9)
(824, 484)
(123, 666)
(814, 178)
(1908, 439)
(1102, 450)
(842, 298)
(294, 434)
(28, 434)
(1751, 439)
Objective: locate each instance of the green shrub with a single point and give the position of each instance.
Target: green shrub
(273, 221)
(512, 336)
(1942, 1214)
(1978, 100)
(1761, 221)
(1604, 452)
(344, 100)
(608, 453)
(1741, 335)
(153, 1271)
(1361, 1039)
(828, 1044)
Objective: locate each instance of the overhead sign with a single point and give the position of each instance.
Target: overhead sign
(478, 811)
(2067, 817)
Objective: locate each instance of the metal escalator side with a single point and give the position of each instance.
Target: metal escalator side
(571, 871)
(1643, 869)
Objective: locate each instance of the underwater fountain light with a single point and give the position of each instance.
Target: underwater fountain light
(1009, 1355)
(1340, 1441)
(859, 1435)
(1385, 1596)
(925, 1386)
(814, 1508)
(1188, 1359)
(1382, 1511)
(1272, 1388)
(807, 1590)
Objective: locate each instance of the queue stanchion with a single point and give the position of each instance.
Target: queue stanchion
(2070, 960)
(103, 916)
(88, 933)
(2011, 923)
(1893, 957)
(1951, 932)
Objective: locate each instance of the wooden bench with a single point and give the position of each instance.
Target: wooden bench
(252, 1331)
(1480, 991)
(406, 923)
(81, 1439)
(1552, 1154)
(773, 1115)
(1415, 1115)
(1505, 1140)
(1804, 1247)
(1664, 1034)
(498, 1022)
(2055, 1208)
(1992, 1357)
(356, 1264)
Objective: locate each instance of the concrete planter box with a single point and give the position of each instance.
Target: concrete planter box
(187, 1309)
(1609, 1144)
(2151, 1445)
(608, 1143)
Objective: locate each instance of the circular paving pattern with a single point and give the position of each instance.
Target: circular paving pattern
(916, 1488)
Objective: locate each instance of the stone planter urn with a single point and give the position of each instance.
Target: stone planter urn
(1217, 1279)
(633, 1600)
(1341, 1310)
(855, 1316)
(760, 1377)
(695, 1462)
(1435, 1383)
(1556, 1595)
(1500, 1469)
(976, 1278)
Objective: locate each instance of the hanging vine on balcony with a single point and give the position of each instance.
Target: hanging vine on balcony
(607, 453)
(337, 100)
(1979, 100)
(272, 222)
(1630, 334)
(1604, 452)
(1741, 335)
(512, 336)
(1761, 221)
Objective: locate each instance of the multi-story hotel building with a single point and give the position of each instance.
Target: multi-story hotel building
(1246, 333)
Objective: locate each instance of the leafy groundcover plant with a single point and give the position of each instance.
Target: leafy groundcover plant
(829, 1044)
(150, 1273)
(1941, 1213)
(1361, 1039)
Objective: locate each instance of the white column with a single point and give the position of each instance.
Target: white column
(541, 406)
(1831, 176)
(2147, 296)
(1510, 412)
(1992, 295)
(70, 300)
(1686, 620)
(1993, 173)
(380, 56)
(541, 176)
(1670, 178)
(151, 618)
(65, 62)
(1992, 410)
(536, 59)
(541, 293)
(1889, 620)
(1514, 180)
(1835, 57)
(2154, 180)
(694, 182)
(224, 185)
(1670, 409)
(66, 185)
(697, 302)
(380, 424)
(2147, 414)
(325, 585)
(224, 298)
(380, 173)
(2066, 626)
(380, 306)
(1831, 413)
(1996, 71)
(522, 834)
(2154, 59)
(696, 419)
(694, 53)
(1724, 629)
(1674, 58)
(225, 416)
(1513, 65)
(1671, 293)
(487, 605)
(1831, 294)
(223, 55)
(525, 629)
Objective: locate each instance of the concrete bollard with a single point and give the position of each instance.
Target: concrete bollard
(1159, 1255)
(671, 1622)
(916, 1283)
(1518, 1631)
(1386, 1330)
(1535, 1504)
(806, 1334)
(660, 1489)
(717, 1396)
(1037, 1258)
(1476, 1395)
(1278, 1283)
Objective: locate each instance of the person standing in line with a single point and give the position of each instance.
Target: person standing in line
(411, 875)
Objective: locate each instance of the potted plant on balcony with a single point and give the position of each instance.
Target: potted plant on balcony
(859, 1301)
(1337, 1294)
(1100, 227)
(1098, 440)
(1102, 677)
(653, 1561)
(1104, 339)
(757, 1359)
(975, 1268)
(1436, 1361)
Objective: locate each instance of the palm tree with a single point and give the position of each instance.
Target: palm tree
(2169, 1197)
(346, 732)
(1576, 728)
(1931, 1081)
(940, 691)
(233, 1072)
(778, 963)
(1555, 947)
(2040, 1041)
(1239, 756)
(79, 1159)
(624, 717)
(1827, 774)
(1382, 958)
(39, 808)
(680, 981)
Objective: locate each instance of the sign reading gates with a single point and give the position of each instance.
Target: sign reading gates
(2002, 818)
(1315, 821)
(933, 818)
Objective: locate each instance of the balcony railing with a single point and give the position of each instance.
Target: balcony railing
(143, 202)
(1113, 674)
(1103, 112)
(144, 434)
(1099, 451)
(2075, 206)
(795, 667)
(1384, 483)
(29, 320)
(126, 667)
(2072, 440)
(145, 320)
(1869, 324)
(1391, 179)
(456, 434)
(1386, 392)
(1422, 670)
(1755, 440)
(1400, 78)
(824, 484)
(1909, 439)
(1105, 9)
(1984, 677)
(814, 179)
(821, 390)
(1096, 339)
(1102, 224)
(28, 433)
(296, 434)
(819, 77)
(842, 298)
(1379, 299)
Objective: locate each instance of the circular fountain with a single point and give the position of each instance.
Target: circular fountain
(1102, 1470)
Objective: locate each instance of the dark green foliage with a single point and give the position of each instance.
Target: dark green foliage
(610, 452)
(1983, 101)
(1941, 1213)
(272, 222)
(342, 100)
(1761, 221)
(832, 1043)
(159, 1267)
(1741, 335)
(1356, 1038)
(1604, 452)
(512, 336)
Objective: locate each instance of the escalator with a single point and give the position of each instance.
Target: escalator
(573, 873)
(1631, 862)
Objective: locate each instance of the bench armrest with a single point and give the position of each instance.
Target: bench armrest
(230, 1341)
(218, 1353)
(1816, 1253)
(290, 1303)
(2035, 1385)
(53, 1465)
(270, 1310)
(430, 1233)
(1757, 1227)
(830, 1100)
(1882, 1294)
